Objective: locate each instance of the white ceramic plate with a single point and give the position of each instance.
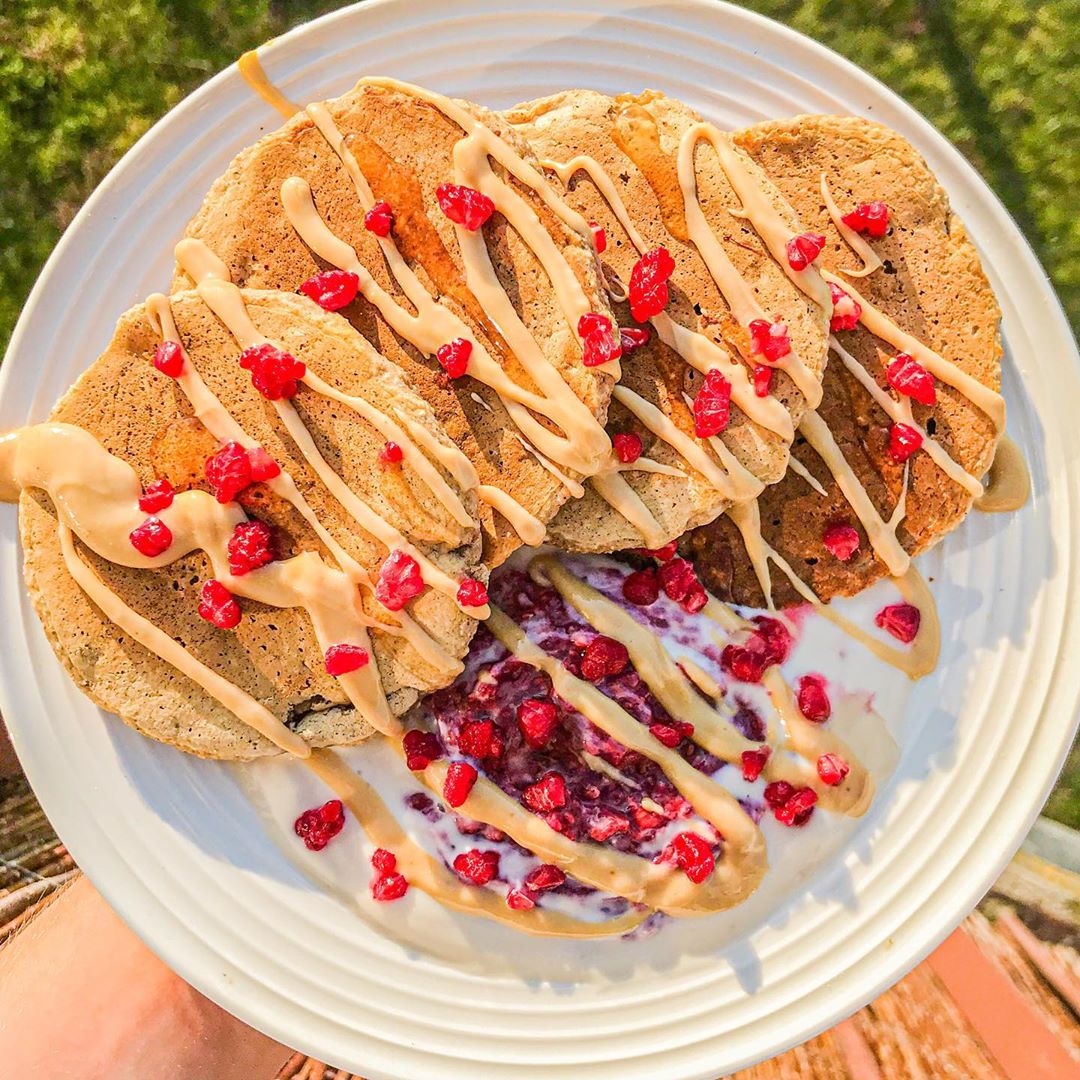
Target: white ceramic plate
(181, 853)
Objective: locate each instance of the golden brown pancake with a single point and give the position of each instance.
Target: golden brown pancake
(932, 285)
(404, 147)
(634, 140)
(143, 417)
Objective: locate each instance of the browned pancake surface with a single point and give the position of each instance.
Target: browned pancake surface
(404, 147)
(142, 417)
(932, 286)
(635, 140)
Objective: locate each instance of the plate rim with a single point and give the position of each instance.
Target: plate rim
(936, 918)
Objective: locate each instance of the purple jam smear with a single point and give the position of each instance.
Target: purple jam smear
(599, 807)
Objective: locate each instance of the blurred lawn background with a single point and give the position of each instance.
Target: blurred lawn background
(81, 80)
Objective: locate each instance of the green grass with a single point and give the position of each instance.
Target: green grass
(80, 80)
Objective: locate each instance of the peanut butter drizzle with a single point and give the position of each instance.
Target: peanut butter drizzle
(625, 501)
(250, 67)
(530, 529)
(424, 872)
(607, 869)
(394, 432)
(734, 481)
(743, 861)
(919, 660)
(1009, 485)
(672, 688)
(870, 258)
(227, 302)
(797, 467)
(150, 637)
(96, 496)
(758, 209)
(735, 289)
(880, 325)
(221, 424)
(472, 163)
(583, 442)
(695, 348)
(446, 454)
(882, 533)
(572, 486)
(414, 234)
(899, 410)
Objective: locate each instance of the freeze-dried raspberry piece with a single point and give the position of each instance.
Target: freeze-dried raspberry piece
(762, 380)
(537, 720)
(602, 658)
(379, 219)
(454, 357)
(547, 794)
(274, 373)
(477, 867)
(471, 593)
(476, 738)
(770, 339)
(343, 659)
(217, 605)
(157, 495)
(642, 587)
(907, 376)
(601, 342)
(900, 620)
(832, 769)
(871, 218)
(693, 856)
(332, 289)
(841, 539)
(317, 827)
(904, 440)
(803, 249)
(545, 876)
(399, 580)
(250, 546)
(152, 538)
(520, 900)
(389, 887)
(670, 735)
(384, 861)
(228, 471)
(599, 237)
(813, 698)
(846, 311)
(263, 466)
(797, 810)
(627, 447)
(648, 284)
(680, 583)
(391, 454)
(169, 359)
(421, 749)
(633, 337)
(753, 761)
(460, 778)
(464, 206)
(777, 793)
(712, 406)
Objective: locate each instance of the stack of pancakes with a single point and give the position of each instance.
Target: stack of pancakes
(630, 185)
